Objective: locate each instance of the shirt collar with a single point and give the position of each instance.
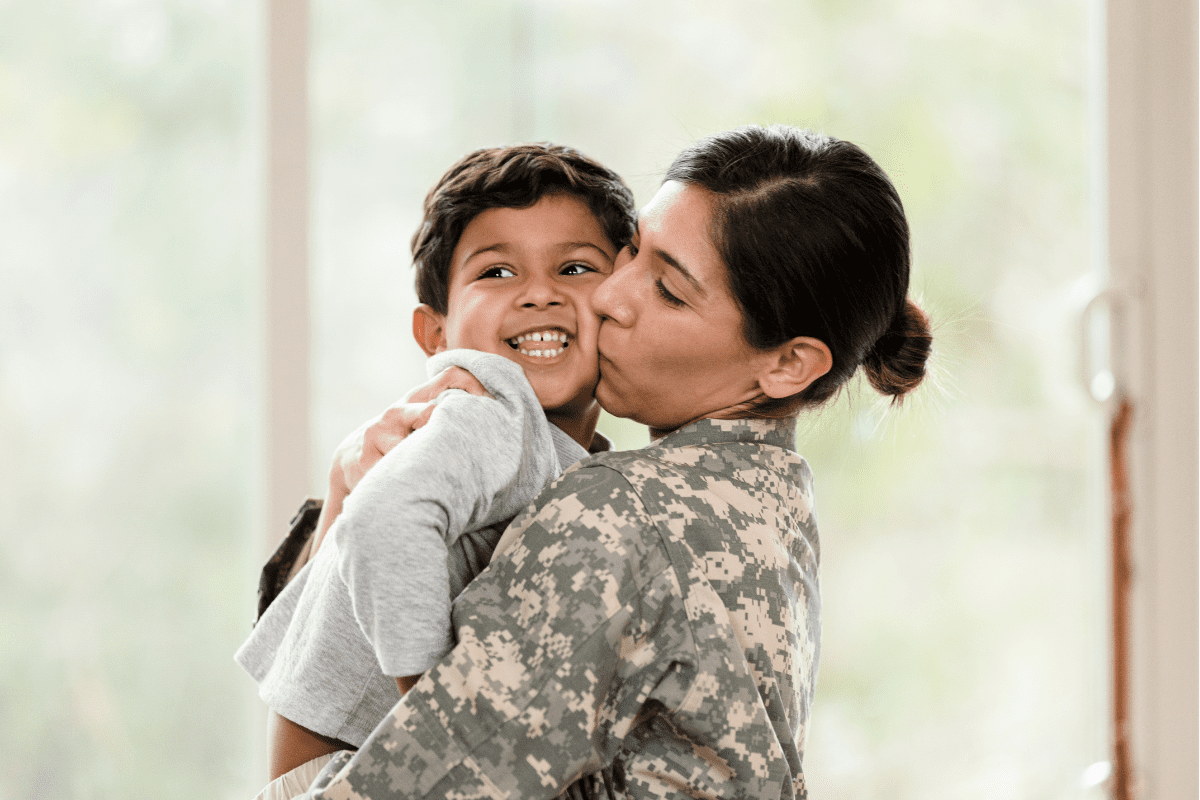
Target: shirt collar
(703, 432)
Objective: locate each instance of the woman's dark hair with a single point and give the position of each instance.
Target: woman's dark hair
(516, 176)
(815, 241)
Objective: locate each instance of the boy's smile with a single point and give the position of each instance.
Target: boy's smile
(521, 281)
(533, 348)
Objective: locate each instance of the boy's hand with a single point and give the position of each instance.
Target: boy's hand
(362, 449)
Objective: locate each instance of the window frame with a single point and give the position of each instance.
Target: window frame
(287, 392)
(1151, 165)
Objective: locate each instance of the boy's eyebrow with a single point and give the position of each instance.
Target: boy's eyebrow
(674, 263)
(565, 247)
(498, 247)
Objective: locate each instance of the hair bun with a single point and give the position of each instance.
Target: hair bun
(895, 365)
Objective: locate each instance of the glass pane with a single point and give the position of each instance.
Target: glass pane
(128, 359)
(963, 560)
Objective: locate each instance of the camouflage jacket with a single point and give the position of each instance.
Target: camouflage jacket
(653, 631)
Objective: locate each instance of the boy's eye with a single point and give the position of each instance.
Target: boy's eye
(497, 272)
(578, 268)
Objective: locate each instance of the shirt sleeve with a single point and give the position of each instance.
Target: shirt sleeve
(477, 461)
(563, 642)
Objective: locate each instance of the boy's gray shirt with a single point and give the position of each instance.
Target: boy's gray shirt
(374, 603)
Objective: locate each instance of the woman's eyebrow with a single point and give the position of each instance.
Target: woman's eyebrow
(674, 264)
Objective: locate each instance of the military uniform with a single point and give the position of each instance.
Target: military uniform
(651, 631)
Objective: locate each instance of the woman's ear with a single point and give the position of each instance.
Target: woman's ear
(429, 329)
(793, 366)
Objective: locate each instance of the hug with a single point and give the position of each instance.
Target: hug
(501, 605)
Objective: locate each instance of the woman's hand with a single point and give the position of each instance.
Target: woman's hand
(363, 448)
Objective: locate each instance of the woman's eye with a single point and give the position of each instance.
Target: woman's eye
(669, 298)
(497, 272)
(633, 249)
(578, 268)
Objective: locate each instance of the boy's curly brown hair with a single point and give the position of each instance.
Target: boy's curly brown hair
(515, 176)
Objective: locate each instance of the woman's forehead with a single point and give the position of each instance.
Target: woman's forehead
(677, 221)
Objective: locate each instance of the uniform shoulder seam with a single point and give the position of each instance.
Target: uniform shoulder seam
(664, 539)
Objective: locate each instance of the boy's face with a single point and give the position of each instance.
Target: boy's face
(521, 282)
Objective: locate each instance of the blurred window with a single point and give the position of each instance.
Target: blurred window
(129, 368)
(964, 650)
(963, 549)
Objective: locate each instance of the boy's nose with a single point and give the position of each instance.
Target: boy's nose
(540, 293)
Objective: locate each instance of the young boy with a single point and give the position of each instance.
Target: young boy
(513, 243)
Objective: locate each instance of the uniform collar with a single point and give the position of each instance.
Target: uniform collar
(704, 432)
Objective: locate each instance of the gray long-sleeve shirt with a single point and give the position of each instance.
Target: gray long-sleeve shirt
(374, 603)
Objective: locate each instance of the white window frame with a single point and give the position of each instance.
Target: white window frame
(1152, 223)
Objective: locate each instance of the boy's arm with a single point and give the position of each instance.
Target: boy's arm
(289, 745)
(363, 448)
(477, 460)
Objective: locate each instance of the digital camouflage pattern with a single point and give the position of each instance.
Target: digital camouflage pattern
(653, 628)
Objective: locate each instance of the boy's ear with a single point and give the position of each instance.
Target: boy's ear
(793, 366)
(429, 329)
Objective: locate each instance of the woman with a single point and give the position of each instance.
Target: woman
(651, 627)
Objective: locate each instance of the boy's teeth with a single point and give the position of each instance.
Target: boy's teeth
(542, 353)
(541, 336)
